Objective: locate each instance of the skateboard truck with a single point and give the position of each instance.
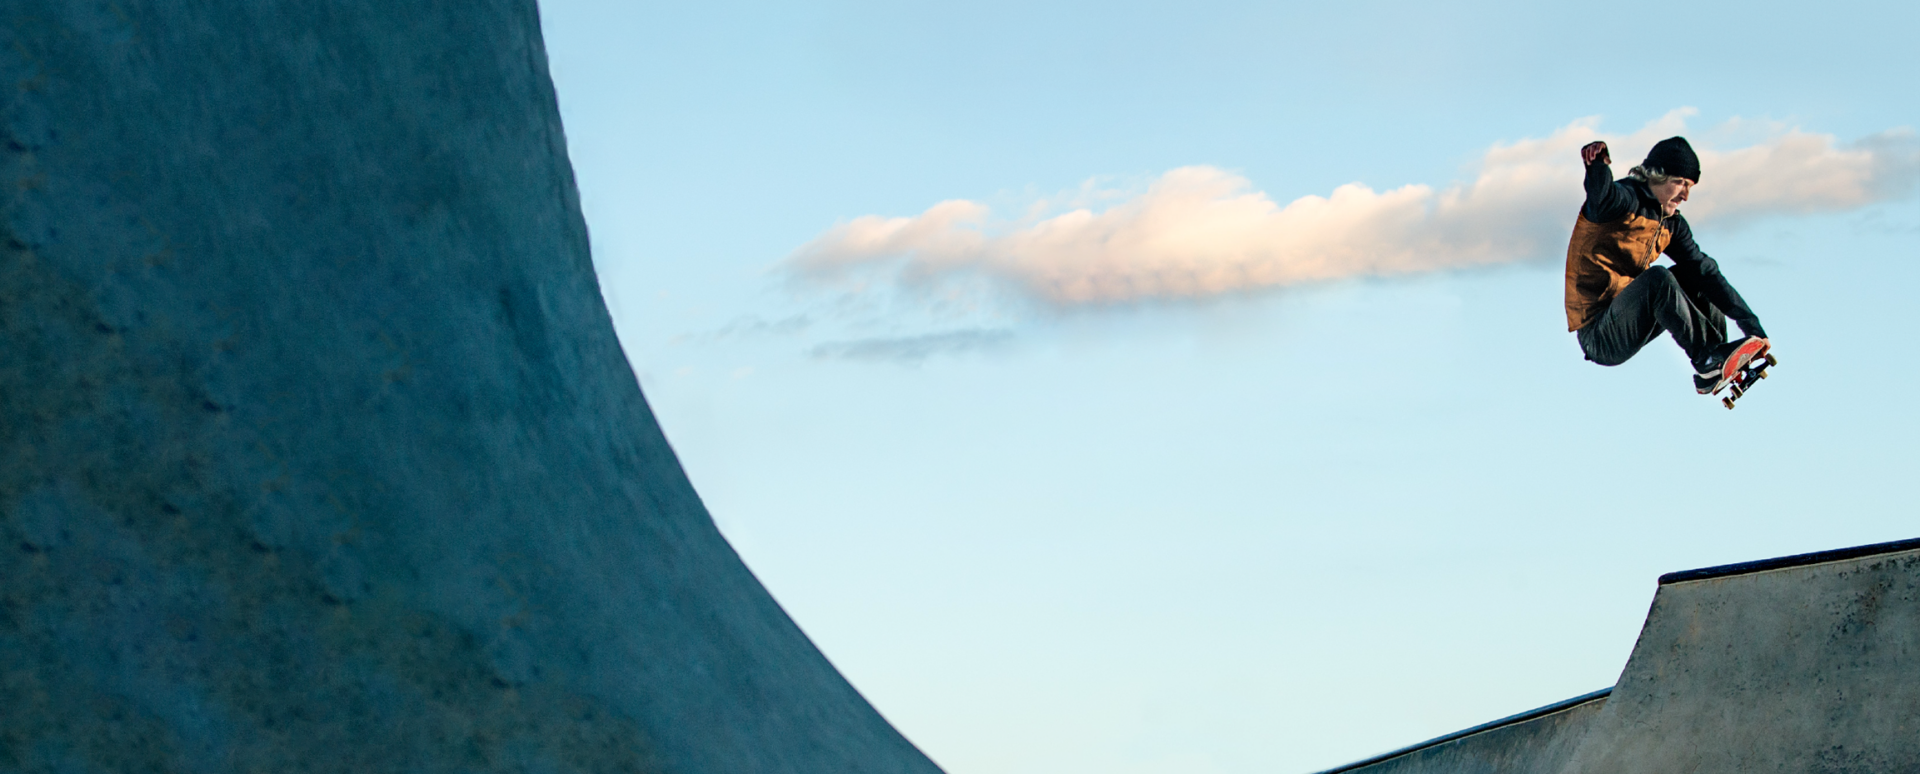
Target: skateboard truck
(1750, 374)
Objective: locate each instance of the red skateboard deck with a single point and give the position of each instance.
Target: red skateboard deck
(1750, 374)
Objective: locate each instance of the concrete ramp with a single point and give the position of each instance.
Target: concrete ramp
(1806, 663)
(317, 449)
(1802, 664)
(1538, 740)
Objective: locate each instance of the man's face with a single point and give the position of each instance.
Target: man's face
(1671, 193)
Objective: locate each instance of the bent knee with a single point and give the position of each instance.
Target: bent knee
(1659, 275)
(1598, 354)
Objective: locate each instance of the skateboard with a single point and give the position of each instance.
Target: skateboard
(1750, 374)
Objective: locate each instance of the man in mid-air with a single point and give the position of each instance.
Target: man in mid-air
(1618, 301)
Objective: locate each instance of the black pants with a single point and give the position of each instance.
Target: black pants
(1655, 301)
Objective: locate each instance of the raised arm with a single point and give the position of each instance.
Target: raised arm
(1607, 201)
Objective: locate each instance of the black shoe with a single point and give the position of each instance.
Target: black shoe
(1725, 361)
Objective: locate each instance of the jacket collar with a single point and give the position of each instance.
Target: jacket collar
(1649, 206)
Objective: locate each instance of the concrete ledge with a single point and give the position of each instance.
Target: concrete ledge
(1797, 560)
(1510, 720)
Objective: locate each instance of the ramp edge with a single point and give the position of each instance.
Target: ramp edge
(1537, 712)
(1797, 560)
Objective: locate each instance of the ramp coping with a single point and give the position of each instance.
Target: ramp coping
(1797, 560)
(1537, 712)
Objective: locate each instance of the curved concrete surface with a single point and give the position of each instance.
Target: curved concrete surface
(1805, 663)
(317, 450)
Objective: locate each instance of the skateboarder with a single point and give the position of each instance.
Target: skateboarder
(1618, 301)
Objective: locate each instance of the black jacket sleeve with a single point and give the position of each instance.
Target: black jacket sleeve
(1700, 274)
(1607, 201)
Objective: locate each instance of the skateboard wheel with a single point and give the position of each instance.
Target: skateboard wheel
(1771, 361)
(1761, 375)
(1728, 402)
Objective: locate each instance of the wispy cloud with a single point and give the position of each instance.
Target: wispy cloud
(1200, 231)
(913, 349)
(748, 325)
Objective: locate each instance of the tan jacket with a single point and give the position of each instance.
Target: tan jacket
(1602, 258)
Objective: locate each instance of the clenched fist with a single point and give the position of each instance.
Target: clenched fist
(1595, 150)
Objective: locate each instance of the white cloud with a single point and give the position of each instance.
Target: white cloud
(1200, 231)
(1798, 172)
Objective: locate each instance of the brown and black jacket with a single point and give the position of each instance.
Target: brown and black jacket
(1619, 233)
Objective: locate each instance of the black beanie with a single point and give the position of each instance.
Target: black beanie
(1674, 157)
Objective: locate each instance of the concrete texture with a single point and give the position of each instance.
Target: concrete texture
(1535, 742)
(1814, 668)
(1802, 664)
(317, 450)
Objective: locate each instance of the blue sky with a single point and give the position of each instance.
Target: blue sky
(1288, 489)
